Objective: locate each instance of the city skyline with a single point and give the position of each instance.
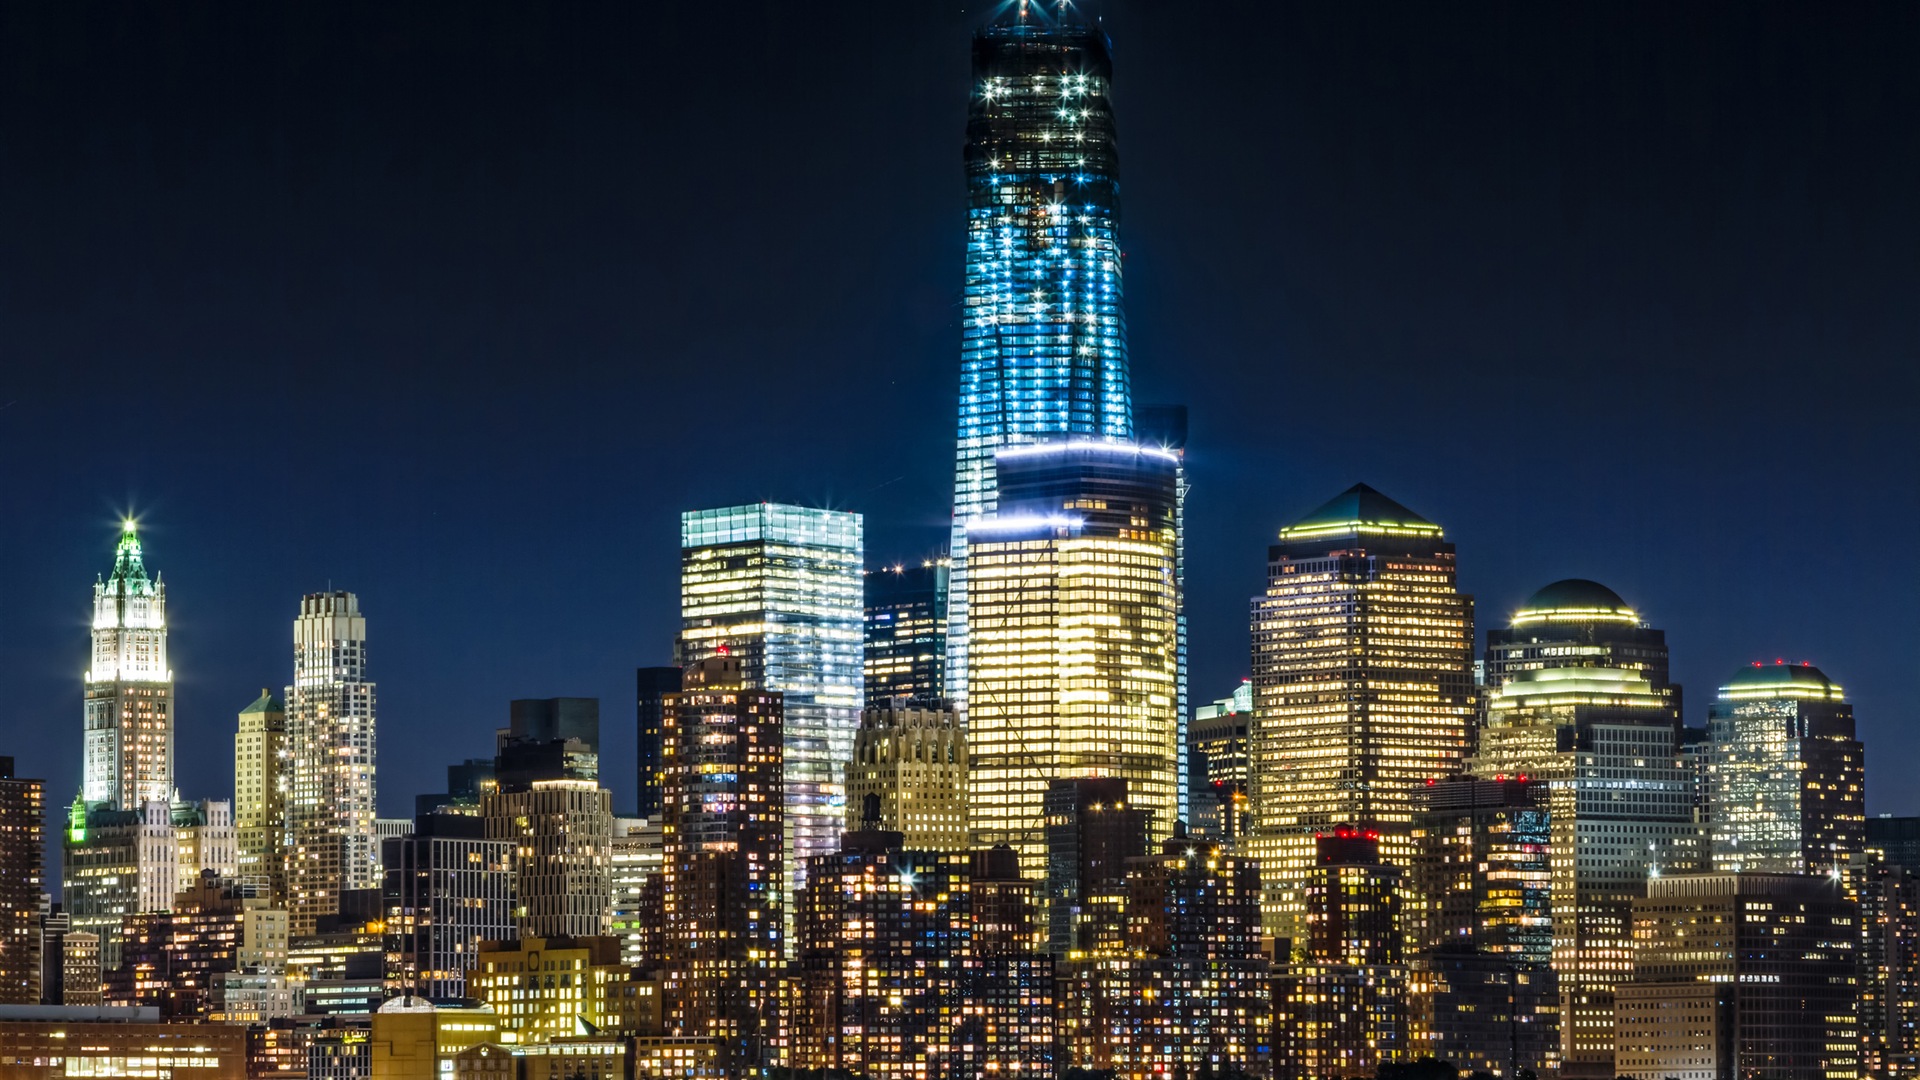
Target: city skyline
(897, 777)
(242, 553)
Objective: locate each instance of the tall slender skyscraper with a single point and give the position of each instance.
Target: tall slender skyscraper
(721, 805)
(23, 819)
(331, 844)
(779, 589)
(119, 849)
(1044, 339)
(260, 794)
(1362, 684)
(651, 687)
(129, 727)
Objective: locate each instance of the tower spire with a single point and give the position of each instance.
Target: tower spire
(129, 568)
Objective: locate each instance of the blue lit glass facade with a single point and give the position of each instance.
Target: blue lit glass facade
(780, 588)
(1044, 342)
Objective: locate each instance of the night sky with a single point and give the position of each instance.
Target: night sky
(459, 306)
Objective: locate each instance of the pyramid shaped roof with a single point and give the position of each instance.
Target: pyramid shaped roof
(1360, 509)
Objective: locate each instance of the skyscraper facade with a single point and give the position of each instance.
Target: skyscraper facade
(1362, 685)
(1787, 777)
(547, 803)
(445, 888)
(1044, 339)
(1579, 623)
(1075, 652)
(1744, 975)
(128, 755)
(1218, 761)
(1621, 811)
(23, 816)
(909, 775)
(260, 794)
(725, 879)
(1341, 1011)
(906, 644)
(778, 588)
(886, 938)
(1092, 831)
(651, 687)
(331, 845)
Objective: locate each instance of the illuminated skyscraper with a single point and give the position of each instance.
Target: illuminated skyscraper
(23, 816)
(1075, 655)
(1362, 685)
(445, 888)
(331, 846)
(260, 793)
(129, 727)
(907, 635)
(547, 802)
(1044, 338)
(1164, 427)
(1189, 993)
(885, 944)
(1342, 1010)
(778, 588)
(909, 775)
(724, 895)
(1579, 623)
(651, 687)
(1621, 811)
(1092, 833)
(1741, 975)
(1787, 776)
(1218, 760)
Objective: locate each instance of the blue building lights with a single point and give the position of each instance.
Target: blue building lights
(1044, 342)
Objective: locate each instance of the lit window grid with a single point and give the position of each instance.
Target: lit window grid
(1074, 674)
(1043, 351)
(1362, 693)
(444, 896)
(724, 901)
(331, 841)
(781, 587)
(1786, 783)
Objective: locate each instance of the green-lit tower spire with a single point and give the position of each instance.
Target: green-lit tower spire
(128, 748)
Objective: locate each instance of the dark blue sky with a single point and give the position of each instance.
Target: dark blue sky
(458, 306)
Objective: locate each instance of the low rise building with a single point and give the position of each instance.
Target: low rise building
(51, 1042)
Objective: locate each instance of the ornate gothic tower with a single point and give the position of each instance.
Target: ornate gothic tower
(129, 727)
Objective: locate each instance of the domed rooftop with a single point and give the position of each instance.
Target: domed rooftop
(1781, 680)
(1575, 600)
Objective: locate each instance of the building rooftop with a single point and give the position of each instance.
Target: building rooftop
(1575, 600)
(1555, 687)
(1781, 680)
(1360, 510)
(265, 703)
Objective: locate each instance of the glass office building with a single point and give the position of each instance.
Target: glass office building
(1786, 772)
(1362, 685)
(1076, 650)
(907, 635)
(780, 588)
(1044, 343)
